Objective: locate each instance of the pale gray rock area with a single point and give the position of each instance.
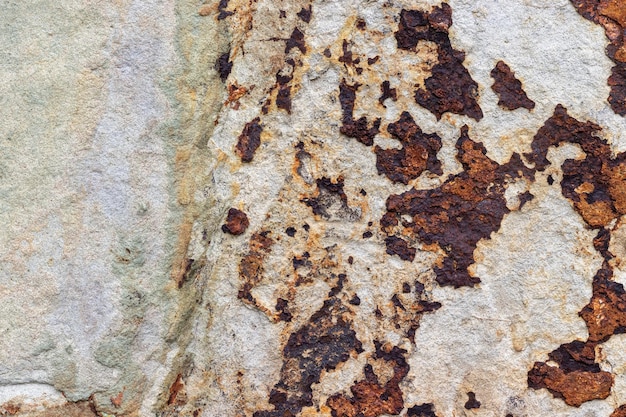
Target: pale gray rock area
(121, 295)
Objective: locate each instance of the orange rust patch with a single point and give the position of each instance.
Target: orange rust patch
(175, 389)
(611, 15)
(575, 387)
(468, 207)
(619, 412)
(117, 400)
(370, 398)
(418, 152)
(251, 266)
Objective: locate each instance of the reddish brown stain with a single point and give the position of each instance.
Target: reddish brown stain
(418, 152)
(605, 315)
(467, 207)
(575, 387)
(175, 388)
(509, 89)
(611, 15)
(249, 140)
(450, 88)
(359, 129)
(326, 341)
(471, 402)
(236, 222)
(369, 397)
(251, 266)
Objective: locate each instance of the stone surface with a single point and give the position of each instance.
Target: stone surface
(312, 208)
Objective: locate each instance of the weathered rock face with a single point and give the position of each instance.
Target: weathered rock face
(313, 208)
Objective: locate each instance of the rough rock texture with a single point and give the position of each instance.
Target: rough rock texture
(313, 208)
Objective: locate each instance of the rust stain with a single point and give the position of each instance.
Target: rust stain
(370, 397)
(251, 266)
(422, 410)
(177, 387)
(359, 129)
(236, 222)
(471, 402)
(418, 152)
(223, 13)
(509, 89)
(450, 88)
(224, 65)
(611, 15)
(386, 90)
(117, 400)
(575, 387)
(466, 208)
(249, 140)
(321, 345)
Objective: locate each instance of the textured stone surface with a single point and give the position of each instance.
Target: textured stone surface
(312, 208)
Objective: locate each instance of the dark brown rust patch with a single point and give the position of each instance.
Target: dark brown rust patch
(305, 14)
(251, 266)
(320, 345)
(387, 92)
(223, 13)
(223, 66)
(422, 410)
(559, 128)
(295, 40)
(605, 315)
(418, 152)
(397, 246)
(450, 88)
(611, 15)
(577, 378)
(347, 58)
(466, 208)
(370, 397)
(471, 402)
(249, 140)
(283, 84)
(358, 129)
(509, 89)
(330, 201)
(236, 222)
(282, 307)
(595, 184)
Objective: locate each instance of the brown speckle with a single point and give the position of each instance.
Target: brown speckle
(236, 222)
(176, 387)
(509, 89)
(330, 201)
(249, 140)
